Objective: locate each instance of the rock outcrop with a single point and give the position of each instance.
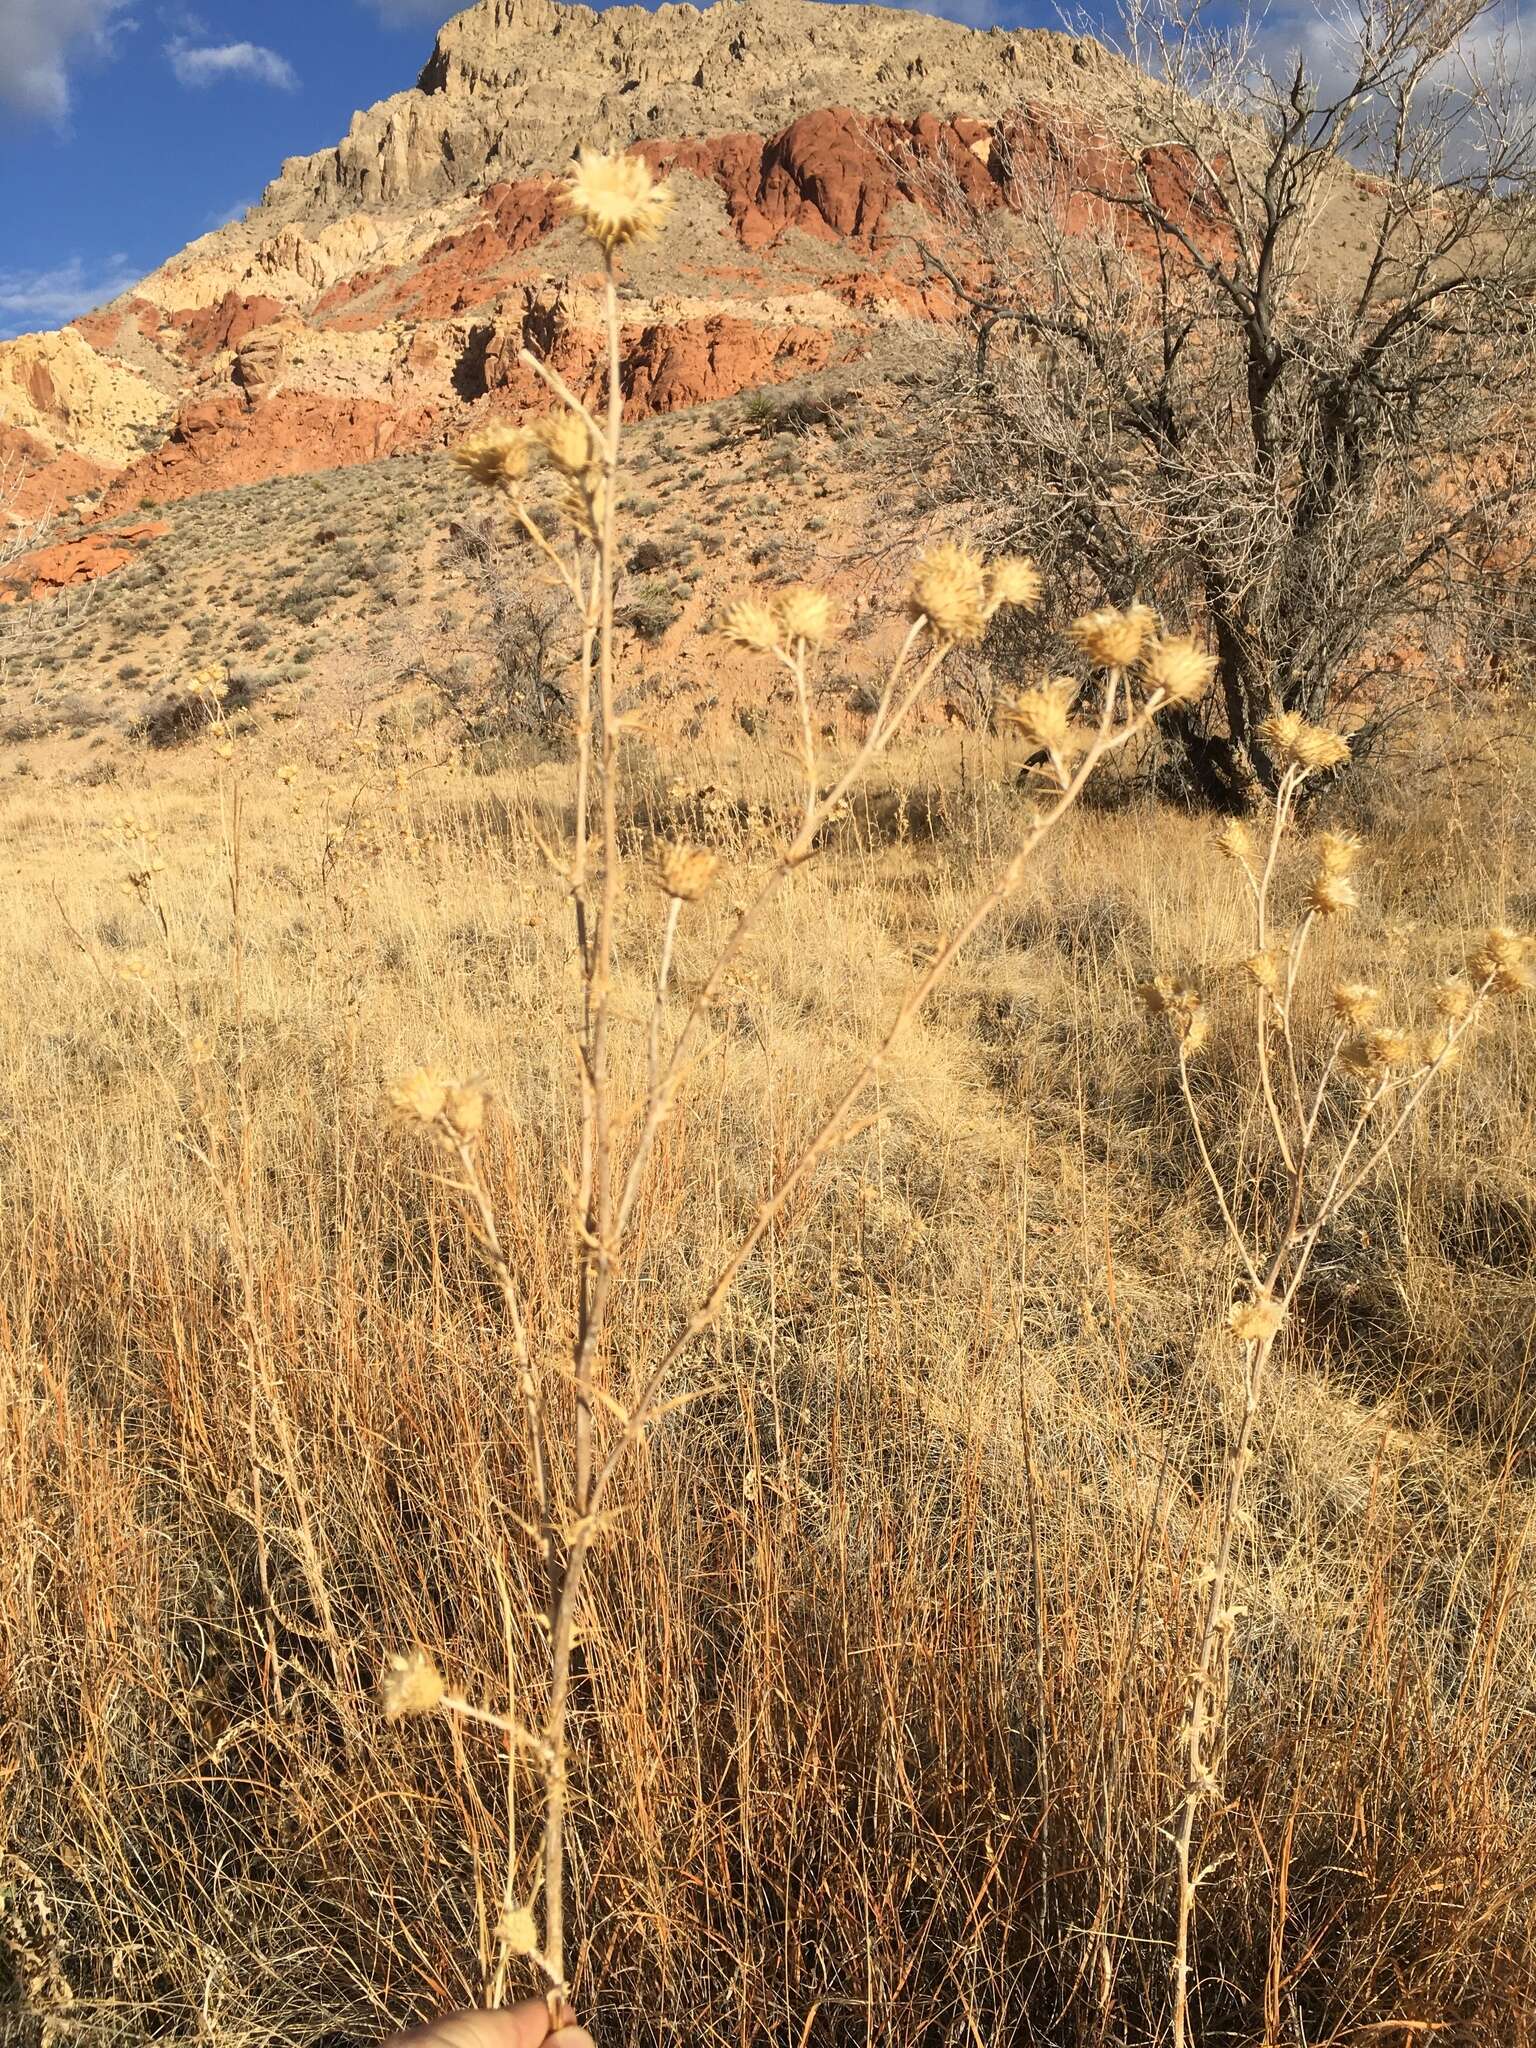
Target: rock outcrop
(52, 569)
(514, 85)
(381, 294)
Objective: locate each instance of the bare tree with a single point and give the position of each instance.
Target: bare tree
(1263, 359)
(522, 689)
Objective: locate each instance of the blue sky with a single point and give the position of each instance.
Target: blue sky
(128, 127)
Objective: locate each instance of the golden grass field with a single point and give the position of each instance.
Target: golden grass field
(882, 1665)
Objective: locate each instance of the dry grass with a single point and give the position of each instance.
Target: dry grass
(878, 1708)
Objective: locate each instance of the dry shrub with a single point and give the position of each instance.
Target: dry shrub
(874, 1703)
(876, 1714)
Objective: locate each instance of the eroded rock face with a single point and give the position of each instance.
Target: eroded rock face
(514, 85)
(383, 293)
(59, 390)
(52, 569)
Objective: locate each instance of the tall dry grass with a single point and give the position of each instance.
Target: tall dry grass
(877, 1709)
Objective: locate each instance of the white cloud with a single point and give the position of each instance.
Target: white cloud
(40, 39)
(209, 63)
(32, 299)
(227, 214)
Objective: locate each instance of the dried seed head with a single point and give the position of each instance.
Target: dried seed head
(288, 774)
(1454, 999)
(1257, 1320)
(616, 198)
(686, 871)
(1374, 1053)
(1179, 1002)
(804, 614)
(1264, 968)
(1331, 895)
(1012, 579)
(1296, 744)
(1356, 1003)
(465, 1110)
(1174, 666)
(410, 1685)
(418, 1099)
(1043, 717)
(1236, 841)
(751, 623)
(1437, 1048)
(498, 457)
(1113, 639)
(949, 592)
(1390, 1047)
(520, 1931)
(1338, 852)
(1320, 748)
(567, 440)
(1503, 961)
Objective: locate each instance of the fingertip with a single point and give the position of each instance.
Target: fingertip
(517, 2026)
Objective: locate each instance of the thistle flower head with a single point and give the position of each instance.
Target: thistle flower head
(1371, 1054)
(1454, 999)
(751, 623)
(616, 198)
(1331, 895)
(498, 457)
(465, 1110)
(1356, 1003)
(410, 1685)
(566, 439)
(949, 592)
(1178, 1002)
(1437, 1049)
(1175, 667)
(686, 871)
(1043, 716)
(1502, 959)
(1264, 969)
(1111, 638)
(1256, 1320)
(417, 1099)
(520, 1931)
(211, 682)
(804, 614)
(1014, 580)
(1338, 852)
(1236, 842)
(1296, 744)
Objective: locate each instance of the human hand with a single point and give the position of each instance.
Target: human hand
(518, 2026)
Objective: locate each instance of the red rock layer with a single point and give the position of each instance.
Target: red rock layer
(218, 444)
(44, 482)
(834, 176)
(76, 561)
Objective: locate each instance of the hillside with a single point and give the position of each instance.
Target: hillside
(375, 303)
(381, 289)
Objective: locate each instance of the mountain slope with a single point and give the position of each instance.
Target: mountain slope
(382, 289)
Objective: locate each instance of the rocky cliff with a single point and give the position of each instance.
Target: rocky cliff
(377, 298)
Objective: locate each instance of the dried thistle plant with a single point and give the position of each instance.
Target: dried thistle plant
(585, 1420)
(1331, 1116)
